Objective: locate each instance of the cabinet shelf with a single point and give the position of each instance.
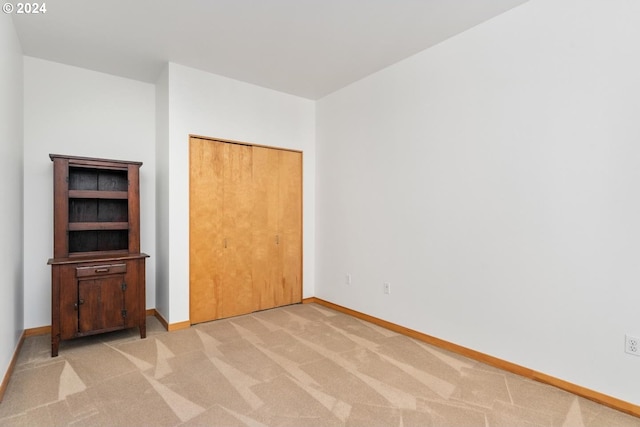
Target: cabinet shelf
(97, 194)
(91, 226)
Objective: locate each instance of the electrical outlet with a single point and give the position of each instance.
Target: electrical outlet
(347, 279)
(632, 345)
(387, 288)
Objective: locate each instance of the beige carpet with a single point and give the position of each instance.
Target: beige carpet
(302, 365)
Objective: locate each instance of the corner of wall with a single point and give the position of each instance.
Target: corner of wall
(162, 192)
(12, 182)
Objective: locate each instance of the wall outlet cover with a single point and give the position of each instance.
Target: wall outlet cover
(632, 345)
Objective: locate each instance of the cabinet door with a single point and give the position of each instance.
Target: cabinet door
(100, 304)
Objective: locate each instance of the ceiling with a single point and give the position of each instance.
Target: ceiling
(307, 48)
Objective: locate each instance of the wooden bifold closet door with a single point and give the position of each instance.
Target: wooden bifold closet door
(245, 239)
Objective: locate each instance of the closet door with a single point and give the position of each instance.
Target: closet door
(277, 259)
(236, 287)
(290, 225)
(220, 240)
(267, 261)
(245, 241)
(206, 244)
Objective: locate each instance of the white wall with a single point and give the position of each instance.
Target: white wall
(11, 221)
(162, 194)
(205, 104)
(74, 111)
(493, 180)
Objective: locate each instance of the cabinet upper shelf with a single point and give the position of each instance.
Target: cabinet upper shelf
(90, 226)
(97, 194)
(96, 206)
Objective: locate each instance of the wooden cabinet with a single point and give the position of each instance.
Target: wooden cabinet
(97, 269)
(245, 228)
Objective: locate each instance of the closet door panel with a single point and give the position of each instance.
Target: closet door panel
(236, 290)
(267, 271)
(290, 225)
(206, 242)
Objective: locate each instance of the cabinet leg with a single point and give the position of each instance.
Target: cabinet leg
(55, 343)
(143, 329)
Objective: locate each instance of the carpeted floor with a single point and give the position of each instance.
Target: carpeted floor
(301, 365)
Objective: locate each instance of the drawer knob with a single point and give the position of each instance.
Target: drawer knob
(102, 270)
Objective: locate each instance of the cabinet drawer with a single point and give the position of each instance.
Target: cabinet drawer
(100, 270)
